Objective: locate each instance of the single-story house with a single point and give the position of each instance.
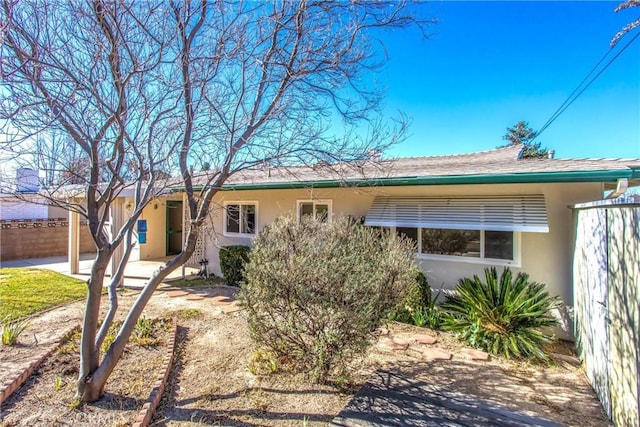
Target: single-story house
(465, 212)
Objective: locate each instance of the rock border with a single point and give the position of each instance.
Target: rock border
(149, 408)
(11, 385)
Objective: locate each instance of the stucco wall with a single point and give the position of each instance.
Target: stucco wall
(156, 216)
(547, 257)
(15, 208)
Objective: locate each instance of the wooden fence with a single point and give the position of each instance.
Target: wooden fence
(606, 278)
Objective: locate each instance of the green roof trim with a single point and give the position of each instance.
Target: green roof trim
(509, 178)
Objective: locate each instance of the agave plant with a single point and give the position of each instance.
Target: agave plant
(505, 316)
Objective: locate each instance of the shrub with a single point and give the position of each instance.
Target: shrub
(504, 316)
(316, 292)
(232, 263)
(263, 362)
(12, 329)
(419, 308)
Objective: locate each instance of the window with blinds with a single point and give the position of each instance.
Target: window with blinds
(526, 213)
(480, 229)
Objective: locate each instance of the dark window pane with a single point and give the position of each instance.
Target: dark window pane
(411, 233)
(322, 213)
(306, 209)
(451, 242)
(233, 218)
(248, 219)
(498, 244)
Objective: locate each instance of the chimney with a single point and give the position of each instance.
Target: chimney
(551, 153)
(27, 180)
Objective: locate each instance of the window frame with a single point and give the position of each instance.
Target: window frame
(328, 202)
(516, 262)
(240, 204)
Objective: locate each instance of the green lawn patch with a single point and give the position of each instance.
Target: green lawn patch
(24, 291)
(211, 281)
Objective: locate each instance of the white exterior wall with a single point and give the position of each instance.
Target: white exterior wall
(14, 208)
(546, 257)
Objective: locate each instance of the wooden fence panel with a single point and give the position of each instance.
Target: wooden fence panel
(590, 299)
(607, 305)
(624, 324)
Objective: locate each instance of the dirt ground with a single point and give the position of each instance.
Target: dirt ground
(211, 383)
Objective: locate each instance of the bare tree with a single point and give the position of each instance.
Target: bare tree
(170, 86)
(91, 72)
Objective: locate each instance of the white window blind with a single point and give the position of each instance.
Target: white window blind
(498, 213)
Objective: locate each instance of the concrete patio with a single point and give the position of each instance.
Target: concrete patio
(135, 276)
(393, 399)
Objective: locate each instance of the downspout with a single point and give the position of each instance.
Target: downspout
(621, 187)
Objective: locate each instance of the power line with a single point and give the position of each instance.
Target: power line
(580, 89)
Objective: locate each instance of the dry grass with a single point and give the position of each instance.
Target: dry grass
(211, 382)
(48, 397)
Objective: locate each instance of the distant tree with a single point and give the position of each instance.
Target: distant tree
(52, 154)
(521, 133)
(630, 26)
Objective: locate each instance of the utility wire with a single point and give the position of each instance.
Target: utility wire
(579, 89)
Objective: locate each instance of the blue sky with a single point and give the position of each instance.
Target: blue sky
(487, 65)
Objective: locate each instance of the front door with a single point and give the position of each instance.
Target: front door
(174, 227)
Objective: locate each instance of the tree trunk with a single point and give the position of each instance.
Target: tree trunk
(89, 352)
(92, 385)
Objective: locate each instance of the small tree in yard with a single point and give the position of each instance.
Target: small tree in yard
(317, 291)
(142, 88)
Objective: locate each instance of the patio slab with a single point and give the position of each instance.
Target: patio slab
(393, 399)
(136, 273)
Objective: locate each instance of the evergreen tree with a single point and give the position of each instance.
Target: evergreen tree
(521, 133)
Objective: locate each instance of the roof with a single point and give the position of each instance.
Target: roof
(498, 166)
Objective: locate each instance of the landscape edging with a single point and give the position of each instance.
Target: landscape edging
(148, 409)
(9, 387)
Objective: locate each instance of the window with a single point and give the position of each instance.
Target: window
(496, 247)
(240, 218)
(319, 209)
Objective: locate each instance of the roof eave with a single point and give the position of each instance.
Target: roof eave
(511, 178)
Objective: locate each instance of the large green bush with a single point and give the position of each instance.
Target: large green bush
(502, 316)
(232, 263)
(316, 292)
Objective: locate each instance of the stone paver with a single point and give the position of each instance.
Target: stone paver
(425, 339)
(194, 297)
(473, 354)
(392, 344)
(174, 294)
(402, 342)
(435, 353)
(221, 300)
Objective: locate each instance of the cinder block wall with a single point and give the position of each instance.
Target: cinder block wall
(39, 239)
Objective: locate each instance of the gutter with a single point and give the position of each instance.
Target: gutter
(512, 178)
